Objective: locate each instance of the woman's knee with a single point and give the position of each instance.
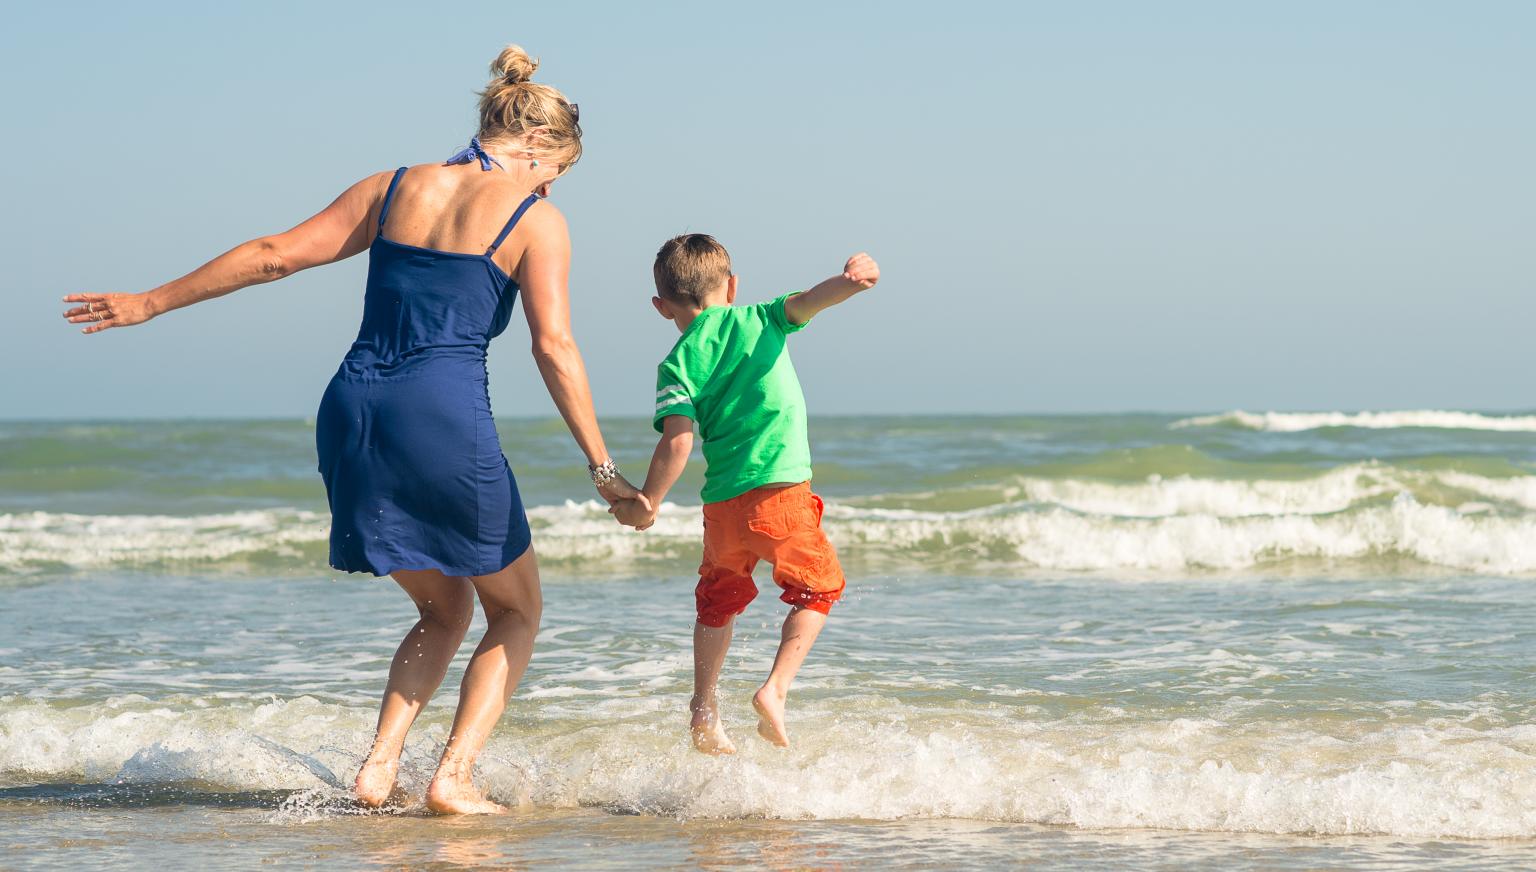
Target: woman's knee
(512, 594)
(525, 612)
(452, 609)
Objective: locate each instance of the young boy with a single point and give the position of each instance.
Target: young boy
(730, 373)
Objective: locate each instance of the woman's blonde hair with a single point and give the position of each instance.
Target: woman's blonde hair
(512, 107)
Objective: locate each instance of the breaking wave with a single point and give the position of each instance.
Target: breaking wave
(1358, 514)
(1292, 422)
(855, 758)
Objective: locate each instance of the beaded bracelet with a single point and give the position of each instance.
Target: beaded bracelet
(604, 472)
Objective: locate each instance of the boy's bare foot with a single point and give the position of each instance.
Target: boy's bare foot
(708, 733)
(375, 786)
(446, 795)
(769, 703)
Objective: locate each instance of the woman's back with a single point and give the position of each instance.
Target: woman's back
(455, 208)
(435, 292)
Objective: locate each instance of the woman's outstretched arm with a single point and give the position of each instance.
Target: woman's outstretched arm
(341, 230)
(543, 274)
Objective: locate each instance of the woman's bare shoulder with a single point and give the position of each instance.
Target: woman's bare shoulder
(543, 220)
(369, 188)
(540, 235)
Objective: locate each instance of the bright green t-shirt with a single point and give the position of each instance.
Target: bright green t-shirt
(730, 372)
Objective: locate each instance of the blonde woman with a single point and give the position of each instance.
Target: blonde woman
(418, 486)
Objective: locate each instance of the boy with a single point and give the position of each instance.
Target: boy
(731, 373)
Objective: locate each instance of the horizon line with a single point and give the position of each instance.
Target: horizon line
(309, 419)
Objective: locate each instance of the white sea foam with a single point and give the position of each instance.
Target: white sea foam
(1291, 422)
(863, 758)
(1519, 490)
(1356, 513)
(1334, 491)
(90, 541)
(130, 739)
(1059, 539)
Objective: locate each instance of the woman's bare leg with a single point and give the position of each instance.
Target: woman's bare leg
(513, 605)
(446, 604)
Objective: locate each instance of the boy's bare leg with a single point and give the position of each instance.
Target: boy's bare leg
(446, 605)
(513, 605)
(709, 647)
(800, 631)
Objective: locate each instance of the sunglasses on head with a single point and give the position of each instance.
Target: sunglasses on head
(575, 111)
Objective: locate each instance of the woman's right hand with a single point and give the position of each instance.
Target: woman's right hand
(339, 231)
(102, 311)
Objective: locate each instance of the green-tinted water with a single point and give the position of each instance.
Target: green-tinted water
(1284, 648)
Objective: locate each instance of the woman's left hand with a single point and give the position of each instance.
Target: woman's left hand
(618, 488)
(101, 311)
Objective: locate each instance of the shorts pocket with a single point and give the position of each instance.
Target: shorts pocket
(786, 521)
(788, 513)
(775, 525)
(807, 561)
(821, 576)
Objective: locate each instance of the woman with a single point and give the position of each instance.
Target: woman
(417, 483)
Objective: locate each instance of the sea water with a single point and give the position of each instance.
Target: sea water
(1262, 639)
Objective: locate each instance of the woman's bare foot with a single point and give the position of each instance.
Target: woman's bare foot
(457, 795)
(375, 786)
(708, 733)
(769, 703)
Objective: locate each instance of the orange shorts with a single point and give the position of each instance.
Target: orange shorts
(780, 525)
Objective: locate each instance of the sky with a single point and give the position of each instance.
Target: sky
(1088, 206)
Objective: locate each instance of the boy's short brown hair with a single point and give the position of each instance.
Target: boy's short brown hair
(691, 267)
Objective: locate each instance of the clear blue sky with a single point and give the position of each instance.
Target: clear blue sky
(1077, 206)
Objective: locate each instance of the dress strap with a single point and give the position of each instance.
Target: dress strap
(388, 196)
(473, 151)
(511, 223)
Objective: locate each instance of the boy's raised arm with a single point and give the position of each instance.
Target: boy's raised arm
(859, 273)
(667, 465)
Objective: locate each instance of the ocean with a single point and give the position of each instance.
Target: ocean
(1243, 640)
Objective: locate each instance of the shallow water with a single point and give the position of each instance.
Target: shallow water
(212, 837)
(1284, 650)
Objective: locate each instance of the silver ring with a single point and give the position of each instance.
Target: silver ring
(90, 307)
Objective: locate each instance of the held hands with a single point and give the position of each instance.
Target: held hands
(862, 270)
(637, 513)
(618, 488)
(627, 503)
(102, 311)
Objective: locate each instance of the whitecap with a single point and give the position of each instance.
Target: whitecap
(1291, 422)
(854, 758)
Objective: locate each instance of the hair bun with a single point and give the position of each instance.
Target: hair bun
(513, 65)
